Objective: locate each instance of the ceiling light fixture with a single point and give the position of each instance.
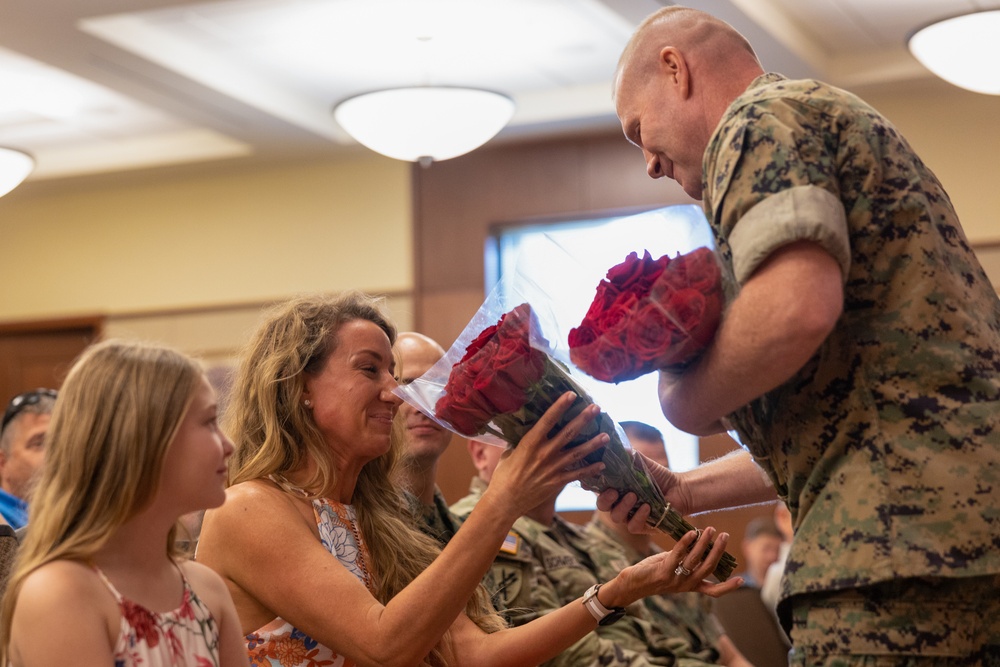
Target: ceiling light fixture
(15, 166)
(424, 123)
(963, 50)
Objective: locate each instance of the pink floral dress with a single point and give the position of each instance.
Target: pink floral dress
(185, 636)
(279, 643)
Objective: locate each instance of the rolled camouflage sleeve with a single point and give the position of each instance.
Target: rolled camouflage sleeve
(804, 213)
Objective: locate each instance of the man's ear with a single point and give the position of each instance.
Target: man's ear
(475, 452)
(675, 68)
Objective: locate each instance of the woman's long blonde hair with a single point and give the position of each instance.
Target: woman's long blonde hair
(274, 434)
(116, 415)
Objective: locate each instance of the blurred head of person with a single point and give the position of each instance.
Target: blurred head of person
(424, 439)
(761, 547)
(647, 440)
(22, 440)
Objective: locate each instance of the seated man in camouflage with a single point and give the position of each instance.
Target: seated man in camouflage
(690, 613)
(424, 439)
(545, 563)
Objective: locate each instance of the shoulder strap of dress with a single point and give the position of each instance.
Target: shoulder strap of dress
(107, 582)
(287, 486)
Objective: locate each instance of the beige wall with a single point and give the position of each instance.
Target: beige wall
(205, 238)
(957, 134)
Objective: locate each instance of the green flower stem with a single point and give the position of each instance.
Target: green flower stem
(623, 471)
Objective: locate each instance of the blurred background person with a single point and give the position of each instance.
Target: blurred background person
(547, 562)
(22, 450)
(690, 613)
(771, 585)
(761, 547)
(424, 440)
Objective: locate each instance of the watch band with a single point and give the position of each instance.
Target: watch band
(602, 614)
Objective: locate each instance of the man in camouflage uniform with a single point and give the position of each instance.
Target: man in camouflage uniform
(511, 581)
(689, 613)
(859, 358)
(424, 439)
(545, 564)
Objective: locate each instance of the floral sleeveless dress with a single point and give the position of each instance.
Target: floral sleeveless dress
(279, 644)
(186, 636)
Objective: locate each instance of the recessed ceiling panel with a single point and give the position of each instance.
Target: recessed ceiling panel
(296, 59)
(48, 113)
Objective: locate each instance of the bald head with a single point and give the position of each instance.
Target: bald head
(678, 74)
(700, 36)
(418, 351)
(424, 438)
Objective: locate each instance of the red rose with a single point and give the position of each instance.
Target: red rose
(606, 295)
(480, 341)
(634, 269)
(513, 365)
(697, 269)
(517, 359)
(458, 408)
(614, 319)
(686, 308)
(648, 335)
(607, 362)
(581, 336)
(696, 318)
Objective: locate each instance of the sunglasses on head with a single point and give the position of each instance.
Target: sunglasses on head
(21, 401)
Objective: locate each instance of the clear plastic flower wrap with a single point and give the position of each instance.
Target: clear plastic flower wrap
(503, 373)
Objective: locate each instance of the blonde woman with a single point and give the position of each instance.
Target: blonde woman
(132, 446)
(311, 415)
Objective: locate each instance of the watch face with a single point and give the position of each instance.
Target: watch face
(613, 617)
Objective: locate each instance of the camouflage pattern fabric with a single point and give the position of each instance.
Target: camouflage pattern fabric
(435, 520)
(906, 623)
(886, 444)
(556, 576)
(687, 615)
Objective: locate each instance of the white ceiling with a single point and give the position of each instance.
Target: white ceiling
(104, 86)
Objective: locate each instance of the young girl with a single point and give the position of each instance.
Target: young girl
(133, 445)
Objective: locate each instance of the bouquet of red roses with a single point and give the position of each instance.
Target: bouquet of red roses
(503, 383)
(649, 314)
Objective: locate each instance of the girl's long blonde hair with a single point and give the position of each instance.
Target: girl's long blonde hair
(274, 434)
(117, 413)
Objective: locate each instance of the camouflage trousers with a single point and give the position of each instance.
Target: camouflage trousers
(904, 623)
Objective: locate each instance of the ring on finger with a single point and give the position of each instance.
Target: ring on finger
(681, 571)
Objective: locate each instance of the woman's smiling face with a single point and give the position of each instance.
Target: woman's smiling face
(351, 396)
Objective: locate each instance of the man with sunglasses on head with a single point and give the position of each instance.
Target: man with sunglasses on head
(22, 450)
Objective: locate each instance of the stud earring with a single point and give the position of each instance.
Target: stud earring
(307, 403)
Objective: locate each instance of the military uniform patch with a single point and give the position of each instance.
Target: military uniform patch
(510, 543)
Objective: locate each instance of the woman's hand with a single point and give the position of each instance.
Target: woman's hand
(682, 569)
(540, 465)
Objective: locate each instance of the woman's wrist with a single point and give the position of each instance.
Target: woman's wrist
(502, 507)
(614, 593)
